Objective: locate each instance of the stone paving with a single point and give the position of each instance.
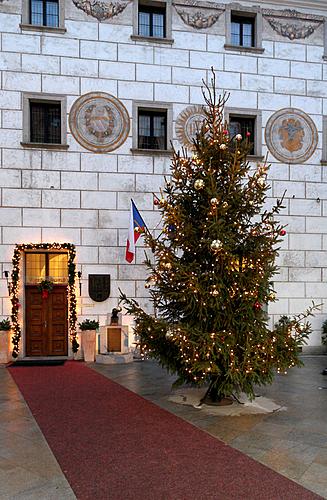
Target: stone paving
(28, 469)
(292, 442)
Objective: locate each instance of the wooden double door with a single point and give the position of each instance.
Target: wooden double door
(46, 321)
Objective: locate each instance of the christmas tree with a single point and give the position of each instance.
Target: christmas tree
(212, 268)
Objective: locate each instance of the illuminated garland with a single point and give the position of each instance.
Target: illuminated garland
(71, 290)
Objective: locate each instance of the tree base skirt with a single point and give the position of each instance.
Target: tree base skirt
(222, 402)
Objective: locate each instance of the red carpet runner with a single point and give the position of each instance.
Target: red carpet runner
(114, 445)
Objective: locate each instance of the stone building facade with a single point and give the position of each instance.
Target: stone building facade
(92, 69)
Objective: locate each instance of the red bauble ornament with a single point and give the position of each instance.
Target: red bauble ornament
(248, 134)
(225, 132)
(45, 294)
(156, 201)
(257, 305)
(282, 232)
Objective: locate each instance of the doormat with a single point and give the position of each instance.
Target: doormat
(39, 362)
(114, 445)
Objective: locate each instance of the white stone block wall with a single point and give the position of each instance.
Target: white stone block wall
(82, 197)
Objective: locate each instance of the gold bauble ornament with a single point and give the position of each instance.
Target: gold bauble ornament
(222, 146)
(147, 285)
(214, 201)
(167, 265)
(199, 184)
(225, 204)
(215, 292)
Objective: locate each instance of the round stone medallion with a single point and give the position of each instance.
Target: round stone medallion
(99, 122)
(188, 123)
(291, 135)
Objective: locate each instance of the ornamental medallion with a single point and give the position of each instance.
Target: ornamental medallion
(291, 136)
(99, 122)
(99, 9)
(188, 124)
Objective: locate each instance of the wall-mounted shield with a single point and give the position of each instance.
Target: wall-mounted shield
(99, 287)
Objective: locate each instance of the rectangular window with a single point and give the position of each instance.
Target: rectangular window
(243, 31)
(41, 266)
(152, 129)
(152, 21)
(45, 122)
(44, 13)
(244, 126)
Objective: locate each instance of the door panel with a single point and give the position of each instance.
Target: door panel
(46, 322)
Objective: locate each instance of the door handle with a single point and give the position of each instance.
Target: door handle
(45, 324)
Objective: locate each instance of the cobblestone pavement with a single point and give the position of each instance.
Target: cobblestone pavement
(292, 442)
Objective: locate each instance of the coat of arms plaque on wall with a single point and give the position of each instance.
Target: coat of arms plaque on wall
(188, 123)
(99, 287)
(99, 122)
(291, 135)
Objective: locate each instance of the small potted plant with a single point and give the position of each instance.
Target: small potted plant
(88, 328)
(45, 287)
(5, 328)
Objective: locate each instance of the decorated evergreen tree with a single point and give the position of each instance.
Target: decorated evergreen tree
(212, 269)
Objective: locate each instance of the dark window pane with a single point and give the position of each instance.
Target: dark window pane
(158, 25)
(152, 21)
(152, 130)
(37, 12)
(45, 121)
(44, 12)
(144, 23)
(52, 9)
(245, 127)
(235, 32)
(242, 31)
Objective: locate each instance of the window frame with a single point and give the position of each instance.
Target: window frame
(323, 160)
(160, 4)
(242, 20)
(249, 113)
(26, 19)
(152, 10)
(250, 12)
(44, 98)
(152, 107)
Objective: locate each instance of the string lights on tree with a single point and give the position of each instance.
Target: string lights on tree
(211, 276)
(15, 285)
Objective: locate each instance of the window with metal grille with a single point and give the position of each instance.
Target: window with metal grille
(244, 126)
(44, 13)
(45, 122)
(152, 129)
(243, 31)
(152, 21)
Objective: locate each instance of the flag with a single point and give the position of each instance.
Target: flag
(136, 227)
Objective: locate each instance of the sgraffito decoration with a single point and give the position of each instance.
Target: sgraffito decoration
(188, 123)
(99, 122)
(99, 9)
(292, 24)
(198, 20)
(291, 136)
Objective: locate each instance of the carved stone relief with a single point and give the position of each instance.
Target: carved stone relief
(99, 122)
(188, 123)
(292, 24)
(291, 136)
(101, 10)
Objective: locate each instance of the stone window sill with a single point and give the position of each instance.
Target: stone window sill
(152, 152)
(152, 39)
(47, 29)
(41, 145)
(323, 162)
(238, 48)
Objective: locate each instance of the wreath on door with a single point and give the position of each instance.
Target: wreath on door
(45, 287)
